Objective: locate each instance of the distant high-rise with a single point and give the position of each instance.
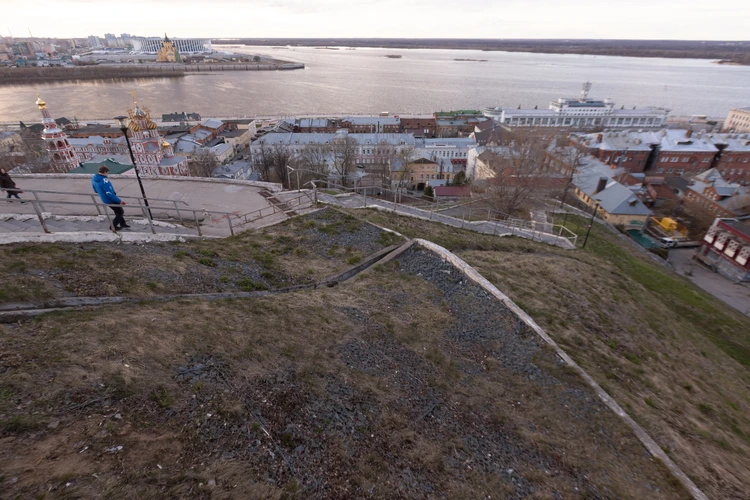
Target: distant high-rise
(94, 41)
(110, 39)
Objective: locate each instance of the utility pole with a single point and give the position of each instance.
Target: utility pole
(591, 223)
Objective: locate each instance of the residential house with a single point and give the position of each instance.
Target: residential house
(239, 139)
(237, 170)
(223, 152)
(721, 198)
(88, 147)
(614, 202)
(659, 192)
(726, 248)
(738, 120)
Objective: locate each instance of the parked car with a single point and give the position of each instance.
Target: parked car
(667, 242)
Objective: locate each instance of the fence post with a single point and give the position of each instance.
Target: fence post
(178, 212)
(39, 215)
(229, 220)
(36, 197)
(148, 217)
(111, 226)
(197, 223)
(93, 199)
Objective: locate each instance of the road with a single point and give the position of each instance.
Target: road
(734, 294)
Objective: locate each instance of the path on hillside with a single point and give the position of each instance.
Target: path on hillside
(358, 201)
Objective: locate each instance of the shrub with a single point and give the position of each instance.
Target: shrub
(207, 262)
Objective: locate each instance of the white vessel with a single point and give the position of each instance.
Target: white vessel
(581, 112)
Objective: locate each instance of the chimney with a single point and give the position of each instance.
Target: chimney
(601, 185)
(663, 133)
(599, 138)
(689, 132)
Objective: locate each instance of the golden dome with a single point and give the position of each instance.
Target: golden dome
(151, 125)
(164, 144)
(40, 102)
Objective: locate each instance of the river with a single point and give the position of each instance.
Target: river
(364, 81)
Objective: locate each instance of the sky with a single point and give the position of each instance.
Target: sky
(618, 19)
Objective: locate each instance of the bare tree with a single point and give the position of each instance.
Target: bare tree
(312, 162)
(343, 156)
(264, 163)
(281, 158)
(519, 171)
(203, 163)
(29, 154)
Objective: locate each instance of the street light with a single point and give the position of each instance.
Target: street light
(289, 178)
(123, 121)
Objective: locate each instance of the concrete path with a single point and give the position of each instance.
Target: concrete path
(358, 201)
(13, 223)
(734, 294)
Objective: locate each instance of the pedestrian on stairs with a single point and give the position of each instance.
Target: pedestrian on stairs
(106, 192)
(7, 183)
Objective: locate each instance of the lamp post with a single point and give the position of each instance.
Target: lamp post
(123, 121)
(591, 223)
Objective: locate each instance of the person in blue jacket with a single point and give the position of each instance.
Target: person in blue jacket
(106, 192)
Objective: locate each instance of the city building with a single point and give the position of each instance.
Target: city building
(419, 127)
(710, 191)
(88, 147)
(726, 248)
(457, 123)
(681, 152)
(94, 41)
(371, 125)
(95, 129)
(238, 139)
(738, 120)
(733, 160)
(614, 202)
(422, 171)
(180, 117)
(369, 149)
(223, 152)
(580, 113)
(153, 155)
(63, 158)
(117, 165)
(632, 151)
(153, 45)
(455, 149)
(237, 170)
(168, 51)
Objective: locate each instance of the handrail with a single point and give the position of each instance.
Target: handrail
(88, 194)
(39, 208)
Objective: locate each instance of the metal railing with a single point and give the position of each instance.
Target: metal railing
(181, 212)
(518, 227)
(273, 208)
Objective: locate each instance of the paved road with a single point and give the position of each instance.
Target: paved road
(358, 201)
(734, 294)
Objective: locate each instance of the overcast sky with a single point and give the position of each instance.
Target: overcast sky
(646, 19)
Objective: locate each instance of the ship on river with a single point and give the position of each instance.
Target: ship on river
(581, 112)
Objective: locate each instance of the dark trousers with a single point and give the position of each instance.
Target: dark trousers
(119, 220)
(13, 192)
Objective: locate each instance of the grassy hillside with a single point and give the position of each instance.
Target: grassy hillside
(673, 356)
(406, 382)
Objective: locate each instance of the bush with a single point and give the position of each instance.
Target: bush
(428, 192)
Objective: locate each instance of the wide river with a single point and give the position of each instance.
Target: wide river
(421, 81)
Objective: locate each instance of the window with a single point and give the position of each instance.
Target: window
(685, 159)
(674, 159)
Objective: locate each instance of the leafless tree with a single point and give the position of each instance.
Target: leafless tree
(264, 163)
(281, 158)
(343, 156)
(29, 154)
(518, 169)
(203, 163)
(312, 162)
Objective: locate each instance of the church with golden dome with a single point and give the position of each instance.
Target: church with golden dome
(168, 52)
(153, 154)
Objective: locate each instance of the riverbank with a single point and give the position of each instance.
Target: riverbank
(14, 75)
(735, 52)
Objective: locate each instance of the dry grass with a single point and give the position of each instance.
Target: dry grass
(674, 357)
(372, 351)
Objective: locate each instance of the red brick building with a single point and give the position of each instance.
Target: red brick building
(733, 161)
(726, 248)
(681, 152)
(632, 151)
(420, 127)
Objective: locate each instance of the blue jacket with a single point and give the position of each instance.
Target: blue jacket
(105, 189)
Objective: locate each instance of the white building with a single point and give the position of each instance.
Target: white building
(582, 112)
(152, 45)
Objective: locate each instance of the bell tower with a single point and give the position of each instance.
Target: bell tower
(62, 156)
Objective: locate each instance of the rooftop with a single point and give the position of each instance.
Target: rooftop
(615, 198)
